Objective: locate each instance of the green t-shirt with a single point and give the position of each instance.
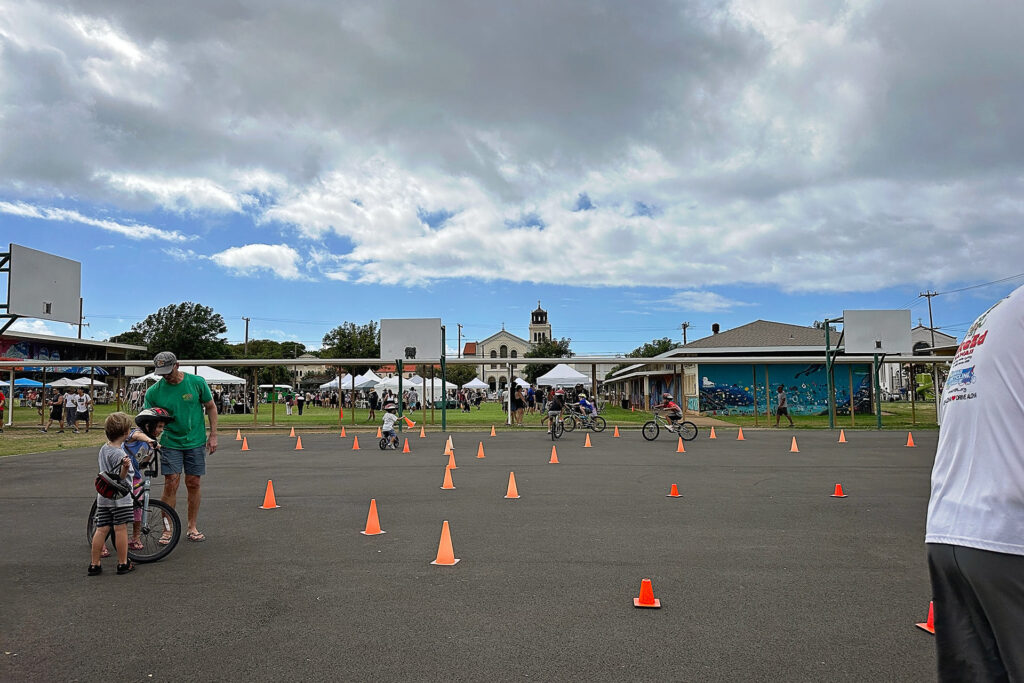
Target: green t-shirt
(185, 402)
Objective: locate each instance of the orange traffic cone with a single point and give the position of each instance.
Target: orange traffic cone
(379, 434)
(512, 491)
(930, 624)
(910, 440)
(409, 422)
(674, 493)
(269, 502)
(646, 598)
(343, 435)
(632, 409)
(341, 413)
(298, 443)
(292, 434)
(445, 554)
(842, 436)
(492, 431)
(447, 483)
(838, 493)
(355, 442)
(586, 444)
(372, 523)
(423, 434)
(448, 444)
(405, 448)
(245, 443)
(554, 456)
(451, 462)
(680, 448)
(238, 435)
(480, 450)
(793, 447)
(739, 437)
(615, 434)
(712, 435)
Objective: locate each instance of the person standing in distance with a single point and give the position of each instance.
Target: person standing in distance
(975, 528)
(184, 441)
(783, 407)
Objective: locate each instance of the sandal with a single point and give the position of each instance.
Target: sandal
(165, 538)
(195, 536)
(135, 545)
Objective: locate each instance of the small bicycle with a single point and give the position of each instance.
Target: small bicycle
(687, 430)
(158, 518)
(579, 419)
(385, 441)
(558, 426)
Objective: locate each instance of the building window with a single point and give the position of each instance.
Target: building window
(494, 354)
(504, 351)
(515, 354)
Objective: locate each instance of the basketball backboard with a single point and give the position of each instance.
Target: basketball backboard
(877, 331)
(42, 285)
(410, 338)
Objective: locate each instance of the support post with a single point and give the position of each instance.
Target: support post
(878, 394)
(444, 390)
(828, 379)
(508, 404)
(853, 408)
(753, 370)
(398, 366)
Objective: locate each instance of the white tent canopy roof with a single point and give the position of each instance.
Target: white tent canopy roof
(475, 383)
(211, 375)
(562, 376)
(63, 382)
(84, 382)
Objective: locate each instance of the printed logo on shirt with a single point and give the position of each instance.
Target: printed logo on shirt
(969, 344)
(960, 377)
(187, 397)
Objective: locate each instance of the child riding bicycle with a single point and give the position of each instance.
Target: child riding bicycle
(555, 407)
(387, 427)
(672, 410)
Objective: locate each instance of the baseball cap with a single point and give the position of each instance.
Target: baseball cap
(164, 362)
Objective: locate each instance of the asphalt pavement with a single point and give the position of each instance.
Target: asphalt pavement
(761, 574)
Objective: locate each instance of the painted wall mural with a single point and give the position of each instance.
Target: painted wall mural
(729, 389)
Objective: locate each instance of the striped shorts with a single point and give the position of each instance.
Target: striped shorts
(110, 516)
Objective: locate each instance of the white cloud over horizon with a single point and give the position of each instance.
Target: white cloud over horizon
(801, 146)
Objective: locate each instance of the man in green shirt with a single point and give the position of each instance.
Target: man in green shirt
(184, 443)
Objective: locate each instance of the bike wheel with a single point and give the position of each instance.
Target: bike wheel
(598, 424)
(650, 430)
(159, 518)
(383, 443)
(687, 431)
(557, 430)
(569, 423)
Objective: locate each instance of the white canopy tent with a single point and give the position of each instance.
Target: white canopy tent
(429, 390)
(522, 382)
(63, 382)
(562, 376)
(84, 382)
(475, 383)
(211, 375)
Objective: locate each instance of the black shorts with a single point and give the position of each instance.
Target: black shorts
(782, 410)
(56, 412)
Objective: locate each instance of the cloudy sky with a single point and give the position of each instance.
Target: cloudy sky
(632, 165)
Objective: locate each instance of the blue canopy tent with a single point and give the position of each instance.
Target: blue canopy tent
(26, 382)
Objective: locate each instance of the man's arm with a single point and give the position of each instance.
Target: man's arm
(211, 413)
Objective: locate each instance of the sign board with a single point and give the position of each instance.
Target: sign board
(45, 286)
(882, 332)
(410, 339)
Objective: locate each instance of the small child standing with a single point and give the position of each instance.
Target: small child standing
(115, 512)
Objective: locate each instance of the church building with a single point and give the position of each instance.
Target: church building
(503, 347)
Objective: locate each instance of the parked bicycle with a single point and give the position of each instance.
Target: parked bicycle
(684, 428)
(159, 520)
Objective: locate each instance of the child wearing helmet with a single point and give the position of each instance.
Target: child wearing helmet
(143, 442)
(387, 427)
(586, 407)
(555, 407)
(674, 412)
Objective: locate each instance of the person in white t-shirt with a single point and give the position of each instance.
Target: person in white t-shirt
(975, 528)
(82, 403)
(70, 408)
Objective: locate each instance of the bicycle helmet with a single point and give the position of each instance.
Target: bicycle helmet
(559, 392)
(390, 406)
(147, 419)
(583, 396)
(667, 396)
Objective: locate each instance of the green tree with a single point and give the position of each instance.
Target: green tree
(134, 338)
(654, 348)
(460, 374)
(548, 348)
(349, 340)
(190, 330)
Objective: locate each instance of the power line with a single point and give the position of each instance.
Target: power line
(983, 284)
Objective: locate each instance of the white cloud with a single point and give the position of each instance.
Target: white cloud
(133, 231)
(699, 301)
(279, 259)
(43, 327)
(805, 146)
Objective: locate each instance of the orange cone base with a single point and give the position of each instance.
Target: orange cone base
(447, 564)
(238, 435)
(374, 533)
(657, 603)
(674, 493)
(926, 627)
(841, 495)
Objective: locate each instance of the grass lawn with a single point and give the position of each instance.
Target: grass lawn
(894, 416)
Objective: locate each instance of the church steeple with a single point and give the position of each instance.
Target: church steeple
(540, 329)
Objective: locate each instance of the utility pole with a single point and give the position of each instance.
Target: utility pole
(935, 370)
(460, 340)
(684, 326)
(80, 316)
(246, 352)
